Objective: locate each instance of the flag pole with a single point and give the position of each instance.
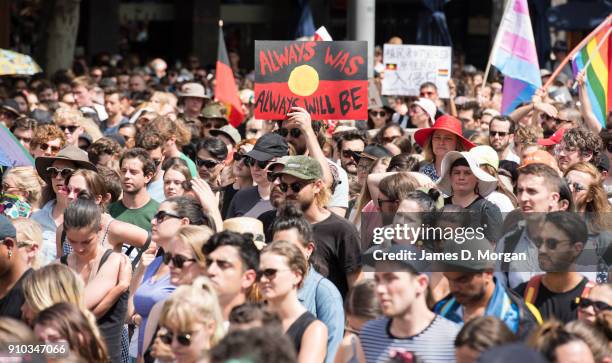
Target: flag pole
(494, 48)
(575, 50)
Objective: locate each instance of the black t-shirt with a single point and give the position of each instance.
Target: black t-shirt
(486, 214)
(337, 250)
(228, 194)
(268, 218)
(561, 306)
(10, 304)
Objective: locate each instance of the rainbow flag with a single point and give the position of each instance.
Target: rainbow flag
(598, 62)
(514, 55)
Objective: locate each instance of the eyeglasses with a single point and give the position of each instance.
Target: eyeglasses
(356, 155)
(390, 139)
(574, 186)
(162, 215)
(378, 113)
(71, 128)
(497, 133)
(184, 339)
(45, 147)
(551, 243)
(178, 261)
(295, 187)
(269, 273)
(207, 163)
(597, 305)
(295, 133)
(249, 161)
(272, 176)
(64, 173)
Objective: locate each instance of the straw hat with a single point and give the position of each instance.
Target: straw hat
(486, 182)
(247, 225)
(69, 153)
(445, 123)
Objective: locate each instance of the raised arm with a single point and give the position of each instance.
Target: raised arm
(208, 200)
(585, 105)
(120, 232)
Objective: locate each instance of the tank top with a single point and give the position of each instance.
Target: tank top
(297, 329)
(111, 323)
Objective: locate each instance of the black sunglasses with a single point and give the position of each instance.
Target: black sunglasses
(207, 163)
(71, 128)
(64, 173)
(162, 215)
(551, 243)
(177, 260)
(295, 133)
(378, 113)
(184, 339)
(500, 133)
(269, 273)
(238, 156)
(45, 147)
(272, 176)
(597, 305)
(355, 155)
(575, 187)
(249, 161)
(295, 187)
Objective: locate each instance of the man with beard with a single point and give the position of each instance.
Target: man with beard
(555, 293)
(306, 137)
(337, 242)
(474, 291)
(501, 137)
(351, 143)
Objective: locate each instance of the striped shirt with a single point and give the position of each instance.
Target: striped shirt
(435, 344)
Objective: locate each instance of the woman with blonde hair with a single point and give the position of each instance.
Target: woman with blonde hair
(164, 103)
(191, 321)
(74, 124)
(50, 285)
(29, 237)
(586, 184)
(282, 269)
(24, 182)
(185, 257)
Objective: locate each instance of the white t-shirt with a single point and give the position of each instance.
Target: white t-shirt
(501, 201)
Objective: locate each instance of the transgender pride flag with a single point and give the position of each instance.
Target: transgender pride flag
(514, 54)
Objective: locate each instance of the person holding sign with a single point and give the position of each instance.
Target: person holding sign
(445, 135)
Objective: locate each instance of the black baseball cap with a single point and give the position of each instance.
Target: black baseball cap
(269, 146)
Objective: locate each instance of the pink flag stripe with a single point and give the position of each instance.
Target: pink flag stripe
(519, 46)
(520, 6)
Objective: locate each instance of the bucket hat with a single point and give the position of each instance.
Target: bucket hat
(445, 123)
(69, 153)
(485, 155)
(486, 182)
(193, 90)
(428, 106)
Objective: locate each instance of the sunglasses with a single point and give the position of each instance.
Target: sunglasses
(272, 177)
(249, 161)
(389, 139)
(64, 173)
(207, 163)
(497, 133)
(269, 273)
(162, 215)
(295, 133)
(295, 187)
(597, 305)
(576, 187)
(356, 155)
(184, 339)
(45, 147)
(212, 125)
(378, 113)
(71, 128)
(178, 261)
(238, 156)
(551, 243)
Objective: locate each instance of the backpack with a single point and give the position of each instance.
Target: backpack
(533, 287)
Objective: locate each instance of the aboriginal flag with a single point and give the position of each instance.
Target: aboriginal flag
(225, 87)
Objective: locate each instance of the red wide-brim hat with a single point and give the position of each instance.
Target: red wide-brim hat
(446, 123)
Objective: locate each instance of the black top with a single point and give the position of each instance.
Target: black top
(267, 219)
(10, 304)
(337, 250)
(297, 329)
(486, 214)
(561, 306)
(111, 323)
(228, 194)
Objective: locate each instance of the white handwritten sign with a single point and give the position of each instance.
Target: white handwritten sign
(409, 66)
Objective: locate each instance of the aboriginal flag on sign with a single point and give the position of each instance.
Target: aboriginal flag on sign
(225, 86)
(328, 79)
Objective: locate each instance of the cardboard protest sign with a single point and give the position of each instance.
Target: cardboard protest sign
(409, 66)
(328, 79)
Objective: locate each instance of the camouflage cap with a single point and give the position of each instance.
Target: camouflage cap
(214, 110)
(302, 167)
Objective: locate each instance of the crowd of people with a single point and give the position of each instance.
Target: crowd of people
(149, 229)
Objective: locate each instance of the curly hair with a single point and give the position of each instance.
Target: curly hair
(168, 128)
(105, 145)
(46, 133)
(585, 140)
(528, 135)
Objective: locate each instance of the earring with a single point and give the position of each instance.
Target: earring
(10, 254)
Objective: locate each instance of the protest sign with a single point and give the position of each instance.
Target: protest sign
(328, 79)
(409, 66)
